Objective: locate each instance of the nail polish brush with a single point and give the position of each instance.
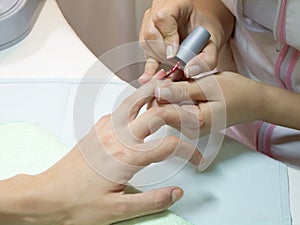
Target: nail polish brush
(192, 45)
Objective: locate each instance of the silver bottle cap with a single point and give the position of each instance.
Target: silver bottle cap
(192, 45)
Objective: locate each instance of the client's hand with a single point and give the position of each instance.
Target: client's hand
(88, 185)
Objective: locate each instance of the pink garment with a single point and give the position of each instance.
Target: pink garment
(270, 54)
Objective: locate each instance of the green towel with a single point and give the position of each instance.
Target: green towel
(29, 148)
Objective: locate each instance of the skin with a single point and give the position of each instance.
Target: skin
(168, 22)
(241, 104)
(74, 192)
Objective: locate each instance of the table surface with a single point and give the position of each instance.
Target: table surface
(53, 50)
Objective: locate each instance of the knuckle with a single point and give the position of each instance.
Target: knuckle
(159, 16)
(107, 138)
(103, 121)
(106, 117)
(173, 141)
(156, 111)
(123, 154)
(150, 33)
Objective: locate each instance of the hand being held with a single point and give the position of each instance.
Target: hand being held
(224, 95)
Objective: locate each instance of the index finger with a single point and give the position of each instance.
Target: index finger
(165, 20)
(130, 107)
(179, 91)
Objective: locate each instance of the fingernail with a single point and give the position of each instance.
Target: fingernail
(164, 93)
(160, 74)
(170, 52)
(144, 78)
(203, 164)
(191, 71)
(176, 195)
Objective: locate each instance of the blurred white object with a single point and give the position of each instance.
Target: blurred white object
(51, 50)
(17, 17)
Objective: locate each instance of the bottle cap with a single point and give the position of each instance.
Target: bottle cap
(192, 45)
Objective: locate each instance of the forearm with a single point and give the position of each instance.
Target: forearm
(221, 17)
(281, 107)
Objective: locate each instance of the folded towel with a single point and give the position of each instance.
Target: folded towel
(27, 148)
(31, 149)
(163, 218)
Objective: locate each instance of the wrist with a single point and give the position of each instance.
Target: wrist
(270, 103)
(24, 200)
(258, 101)
(14, 198)
(281, 107)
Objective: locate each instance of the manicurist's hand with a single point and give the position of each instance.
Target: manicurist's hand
(88, 185)
(168, 22)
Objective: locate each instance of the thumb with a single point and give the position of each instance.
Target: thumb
(204, 62)
(151, 202)
(175, 92)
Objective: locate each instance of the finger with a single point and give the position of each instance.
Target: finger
(189, 120)
(179, 91)
(155, 42)
(161, 75)
(178, 76)
(149, 202)
(151, 68)
(161, 149)
(164, 19)
(130, 107)
(145, 21)
(151, 41)
(148, 33)
(191, 117)
(203, 62)
(192, 125)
